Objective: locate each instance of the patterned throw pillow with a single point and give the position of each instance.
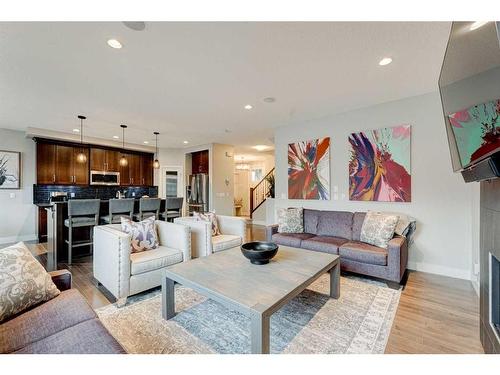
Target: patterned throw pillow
(378, 228)
(23, 281)
(143, 233)
(291, 220)
(209, 217)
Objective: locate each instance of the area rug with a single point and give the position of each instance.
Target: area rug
(358, 322)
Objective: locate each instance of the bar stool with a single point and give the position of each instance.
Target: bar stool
(173, 208)
(81, 213)
(148, 207)
(117, 209)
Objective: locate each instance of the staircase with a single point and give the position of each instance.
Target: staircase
(263, 190)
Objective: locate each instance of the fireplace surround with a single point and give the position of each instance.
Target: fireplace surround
(495, 295)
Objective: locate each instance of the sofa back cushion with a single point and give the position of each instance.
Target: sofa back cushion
(23, 281)
(311, 218)
(335, 223)
(357, 224)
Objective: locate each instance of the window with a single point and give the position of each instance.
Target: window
(256, 175)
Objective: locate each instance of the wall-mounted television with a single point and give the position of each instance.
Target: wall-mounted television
(469, 85)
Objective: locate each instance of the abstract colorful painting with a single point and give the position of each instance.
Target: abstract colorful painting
(379, 166)
(476, 130)
(309, 169)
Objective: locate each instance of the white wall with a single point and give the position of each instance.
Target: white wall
(441, 201)
(18, 214)
(222, 174)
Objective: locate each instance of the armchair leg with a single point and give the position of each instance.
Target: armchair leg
(121, 302)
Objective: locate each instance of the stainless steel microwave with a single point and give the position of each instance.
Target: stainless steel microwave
(104, 178)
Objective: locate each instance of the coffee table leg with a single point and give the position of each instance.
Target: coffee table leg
(167, 298)
(335, 281)
(260, 334)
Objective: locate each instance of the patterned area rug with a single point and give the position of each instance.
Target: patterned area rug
(358, 322)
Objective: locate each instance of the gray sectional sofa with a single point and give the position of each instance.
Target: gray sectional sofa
(338, 232)
(65, 324)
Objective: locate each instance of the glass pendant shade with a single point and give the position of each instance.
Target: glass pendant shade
(81, 157)
(156, 163)
(123, 160)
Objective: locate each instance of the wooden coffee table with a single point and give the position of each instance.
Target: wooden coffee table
(256, 291)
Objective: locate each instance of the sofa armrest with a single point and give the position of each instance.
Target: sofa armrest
(233, 225)
(111, 264)
(201, 235)
(397, 257)
(62, 279)
(175, 236)
(270, 230)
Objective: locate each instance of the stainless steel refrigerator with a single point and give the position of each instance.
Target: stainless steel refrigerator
(197, 193)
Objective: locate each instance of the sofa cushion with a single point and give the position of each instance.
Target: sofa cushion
(23, 281)
(61, 312)
(88, 337)
(144, 236)
(357, 224)
(325, 244)
(378, 228)
(290, 239)
(311, 218)
(290, 220)
(151, 260)
(363, 253)
(225, 242)
(335, 224)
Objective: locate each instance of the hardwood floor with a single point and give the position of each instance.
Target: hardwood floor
(436, 314)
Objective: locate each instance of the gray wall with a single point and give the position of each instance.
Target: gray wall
(441, 201)
(17, 213)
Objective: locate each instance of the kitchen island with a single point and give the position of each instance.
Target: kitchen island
(57, 233)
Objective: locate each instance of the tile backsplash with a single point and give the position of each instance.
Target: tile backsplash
(41, 193)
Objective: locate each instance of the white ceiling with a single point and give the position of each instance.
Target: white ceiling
(190, 81)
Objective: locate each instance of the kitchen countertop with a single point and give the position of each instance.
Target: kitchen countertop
(47, 205)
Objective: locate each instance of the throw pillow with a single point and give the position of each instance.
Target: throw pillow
(291, 220)
(378, 228)
(209, 217)
(144, 236)
(23, 281)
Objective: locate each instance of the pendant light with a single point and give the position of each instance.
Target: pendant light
(81, 157)
(156, 163)
(123, 159)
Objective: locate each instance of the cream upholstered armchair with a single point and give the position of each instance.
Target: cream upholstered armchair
(233, 234)
(124, 273)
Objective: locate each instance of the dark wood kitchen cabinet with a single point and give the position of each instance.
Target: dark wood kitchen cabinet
(147, 170)
(57, 164)
(199, 162)
(104, 160)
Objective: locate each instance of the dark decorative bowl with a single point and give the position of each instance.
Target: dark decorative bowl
(259, 252)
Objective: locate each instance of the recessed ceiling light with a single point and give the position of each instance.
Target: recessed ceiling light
(146, 142)
(113, 43)
(248, 106)
(185, 142)
(116, 137)
(476, 25)
(269, 99)
(76, 130)
(385, 61)
(260, 147)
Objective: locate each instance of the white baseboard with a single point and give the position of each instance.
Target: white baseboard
(15, 239)
(440, 270)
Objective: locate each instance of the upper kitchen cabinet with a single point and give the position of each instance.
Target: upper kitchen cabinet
(57, 164)
(147, 170)
(199, 162)
(104, 160)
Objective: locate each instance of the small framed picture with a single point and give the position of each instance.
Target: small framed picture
(10, 169)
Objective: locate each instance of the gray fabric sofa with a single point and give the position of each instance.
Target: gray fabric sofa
(65, 324)
(338, 232)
